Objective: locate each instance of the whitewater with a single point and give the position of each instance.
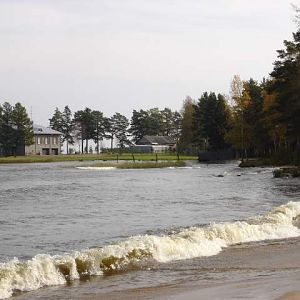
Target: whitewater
(86, 231)
(45, 270)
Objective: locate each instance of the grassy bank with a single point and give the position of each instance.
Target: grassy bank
(141, 165)
(93, 157)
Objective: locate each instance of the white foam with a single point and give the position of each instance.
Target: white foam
(45, 270)
(96, 168)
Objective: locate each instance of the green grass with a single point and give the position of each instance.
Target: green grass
(92, 157)
(141, 165)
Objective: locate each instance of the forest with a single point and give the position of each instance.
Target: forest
(257, 119)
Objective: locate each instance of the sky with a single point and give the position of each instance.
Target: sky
(120, 55)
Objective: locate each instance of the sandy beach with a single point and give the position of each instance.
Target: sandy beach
(273, 273)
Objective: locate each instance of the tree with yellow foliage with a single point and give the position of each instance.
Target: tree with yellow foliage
(239, 135)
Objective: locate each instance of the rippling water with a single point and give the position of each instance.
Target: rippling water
(57, 208)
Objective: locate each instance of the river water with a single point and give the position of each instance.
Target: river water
(78, 231)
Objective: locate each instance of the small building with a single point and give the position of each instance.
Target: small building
(155, 144)
(46, 141)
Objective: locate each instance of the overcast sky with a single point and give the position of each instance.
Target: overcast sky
(120, 55)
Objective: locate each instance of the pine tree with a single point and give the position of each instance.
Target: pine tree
(7, 139)
(138, 125)
(84, 125)
(15, 129)
(56, 122)
(23, 127)
(99, 128)
(286, 86)
(122, 124)
(211, 121)
(116, 127)
(67, 127)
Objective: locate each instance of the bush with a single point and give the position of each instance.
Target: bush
(278, 173)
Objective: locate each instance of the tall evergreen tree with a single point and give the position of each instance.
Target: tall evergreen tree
(211, 121)
(116, 127)
(138, 125)
(67, 127)
(176, 126)
(286, 86)
(15, 129)
(56, 122)
(254, 117)
(84, 125)
(23, 128)
(99, 128)
(122, 124)
(63, 122)
(154, 122)
(7, 139)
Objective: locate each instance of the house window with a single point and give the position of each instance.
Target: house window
(38, 140)
(54, 141)
(46, 140)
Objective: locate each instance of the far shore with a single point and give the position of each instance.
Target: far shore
(139, 165)
(262, 162)
(95, 157)
(282, 169)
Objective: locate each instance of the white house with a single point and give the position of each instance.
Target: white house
(46, 141)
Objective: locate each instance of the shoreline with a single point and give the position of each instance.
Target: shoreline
(257, 271)
(94, 157)
(259, 162)
(273, 274)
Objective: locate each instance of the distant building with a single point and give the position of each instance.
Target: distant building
(46, 141)
(155, 144)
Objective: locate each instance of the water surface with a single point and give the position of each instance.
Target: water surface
(56, 208)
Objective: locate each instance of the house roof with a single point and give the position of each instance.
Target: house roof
(38, 129)
(156, 140)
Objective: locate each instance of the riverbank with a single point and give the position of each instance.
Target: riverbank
(94, 157)
(264, 162)
(282, 170)
(267, 272)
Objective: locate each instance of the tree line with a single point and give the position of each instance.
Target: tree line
(91, 125)
(256, 119)
(261, 119)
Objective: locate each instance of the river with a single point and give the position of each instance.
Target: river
(79, 231)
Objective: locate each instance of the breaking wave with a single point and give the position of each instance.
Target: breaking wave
(96, 168)
(46, 270)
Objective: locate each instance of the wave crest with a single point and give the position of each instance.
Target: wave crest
(45, 270)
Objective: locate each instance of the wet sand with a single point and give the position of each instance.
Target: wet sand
(290, 296)
(263, 271)
(283, 287)
(268, 271)
(260, 289)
